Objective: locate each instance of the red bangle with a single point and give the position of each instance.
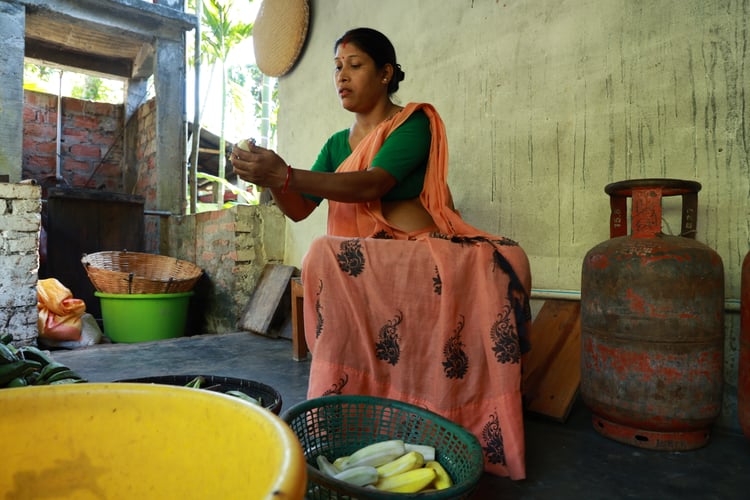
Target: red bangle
(288, 176)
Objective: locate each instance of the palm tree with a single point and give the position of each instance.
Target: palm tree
(216, 43)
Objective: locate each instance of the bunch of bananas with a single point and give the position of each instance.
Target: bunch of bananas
(28, 365)
(392, 466)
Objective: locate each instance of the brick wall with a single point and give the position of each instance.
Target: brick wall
(144, 170)
(90, 146)
(91, 150)
(232, 246)
(20, 219)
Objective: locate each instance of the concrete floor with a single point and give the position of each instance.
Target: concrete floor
(564, 461)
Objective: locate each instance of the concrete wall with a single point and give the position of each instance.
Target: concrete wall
(12, 26)
(545, 103)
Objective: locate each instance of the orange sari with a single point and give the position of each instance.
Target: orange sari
(436, 319)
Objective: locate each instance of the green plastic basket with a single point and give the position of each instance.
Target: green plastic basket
(339, 425)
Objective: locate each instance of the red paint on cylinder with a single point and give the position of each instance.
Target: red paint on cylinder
(743, 382)
(652, 325)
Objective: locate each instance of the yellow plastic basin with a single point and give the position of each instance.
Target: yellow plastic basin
(144, 441)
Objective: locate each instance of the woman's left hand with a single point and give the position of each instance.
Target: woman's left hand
(259, 166)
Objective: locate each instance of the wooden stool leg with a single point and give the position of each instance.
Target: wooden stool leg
(299, 344)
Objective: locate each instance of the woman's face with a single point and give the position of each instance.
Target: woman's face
(358, 81)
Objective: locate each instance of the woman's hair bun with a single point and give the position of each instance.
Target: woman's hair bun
(398, 73)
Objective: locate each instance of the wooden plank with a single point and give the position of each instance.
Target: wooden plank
(261, 309)
(552, 368)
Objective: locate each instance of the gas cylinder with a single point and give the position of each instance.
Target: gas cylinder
(743, 382)
(652, 323)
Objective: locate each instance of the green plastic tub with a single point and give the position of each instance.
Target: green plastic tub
(130, 318)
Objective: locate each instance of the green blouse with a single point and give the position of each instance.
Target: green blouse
(404, 155)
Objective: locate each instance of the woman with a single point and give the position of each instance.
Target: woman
(365, 77)
(403, 299)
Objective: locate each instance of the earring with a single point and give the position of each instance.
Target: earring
(385, 80)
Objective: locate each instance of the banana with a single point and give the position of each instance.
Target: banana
(12, 371)
(360, 475)
(442, 478)
(325, 466)
(404, 463)
(51, 371)
(407, 482)
(7, 355)
(375, 454)
(338, 463)
(32, 377)
(35, 354)
(17, 382)
(241, 395)
(71, 380)
(427, 451)
(197, 382)
(246, 144)
(62, 375)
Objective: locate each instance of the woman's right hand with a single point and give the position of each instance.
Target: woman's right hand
(259, 166)
(263, 167)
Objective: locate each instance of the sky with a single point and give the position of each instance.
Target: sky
(242, 54)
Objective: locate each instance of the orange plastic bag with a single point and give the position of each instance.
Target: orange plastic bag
(59, 313)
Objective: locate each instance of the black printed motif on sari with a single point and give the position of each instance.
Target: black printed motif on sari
(470, 240)
(492, 437)
(318, 313)
(338, 386)
(437, 283)
(517, 296)
(351, 259)
(387, 347)
(383, 235)
(505, 242)
(440, 236)
(504, 338)
(456, 362)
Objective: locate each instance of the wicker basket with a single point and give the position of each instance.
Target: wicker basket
(126, 272)
(336, 426)
(269, 397)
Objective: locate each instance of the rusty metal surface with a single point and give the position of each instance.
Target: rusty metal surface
(652, 332)
(743, 381)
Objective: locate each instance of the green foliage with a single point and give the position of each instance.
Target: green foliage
(40, 78)
(218, 38)
(243, 197)
(38, 73)
(246, 85)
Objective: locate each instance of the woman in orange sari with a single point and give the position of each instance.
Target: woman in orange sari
(403, 298)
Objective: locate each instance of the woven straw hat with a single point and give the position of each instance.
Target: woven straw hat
(279, 33)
